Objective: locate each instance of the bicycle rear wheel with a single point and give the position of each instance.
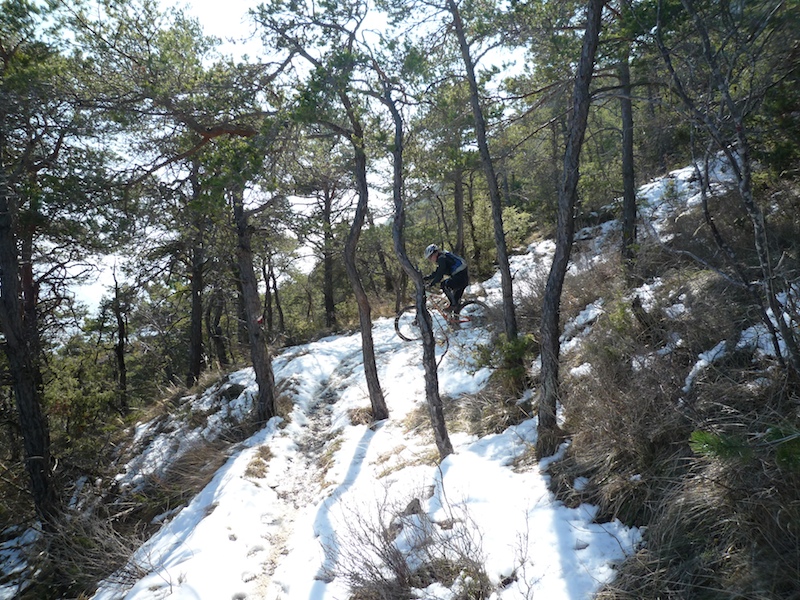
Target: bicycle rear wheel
(473, 314)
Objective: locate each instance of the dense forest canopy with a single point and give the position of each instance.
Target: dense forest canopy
(248, 204)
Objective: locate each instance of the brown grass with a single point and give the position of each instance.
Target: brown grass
(376, 569)
(258, 465)
(491, 410)
(361, 415)
(720, 524)
(79, 551)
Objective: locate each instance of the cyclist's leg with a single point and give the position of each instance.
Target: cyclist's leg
(458, 284)
(448, 291)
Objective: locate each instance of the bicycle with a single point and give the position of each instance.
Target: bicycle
(468, 315)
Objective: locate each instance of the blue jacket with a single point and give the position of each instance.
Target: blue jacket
(447, 265)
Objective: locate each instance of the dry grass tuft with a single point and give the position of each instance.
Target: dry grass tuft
(399, 458)
(78, 551)
(259, 464)
(624, 417)
(376, 568)
(598, 279)
(284, 405)
(711, 470)
(327, 458)
(488, 411)
(418, 421)
(726, 530)
(16, 507)
(190, 473)
(361, 415)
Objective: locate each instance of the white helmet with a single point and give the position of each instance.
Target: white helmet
(429, 251)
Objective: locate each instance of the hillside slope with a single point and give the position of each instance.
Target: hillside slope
(321, 504)
(304, 508)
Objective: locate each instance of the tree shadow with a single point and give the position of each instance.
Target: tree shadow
(323, 525)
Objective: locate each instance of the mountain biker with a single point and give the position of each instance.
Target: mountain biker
(451, 270)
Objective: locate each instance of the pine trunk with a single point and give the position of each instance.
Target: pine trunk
(259, 351)
(327, 263)
(23, 363)
(379, 409)
(119, 352)
(549, 434)
(628, 178)
(434, 400)
(509, 311)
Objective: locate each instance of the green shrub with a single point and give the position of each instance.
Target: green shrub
(786, 443)
(510, 360)
(720, 446)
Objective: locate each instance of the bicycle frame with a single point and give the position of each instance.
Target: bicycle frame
(439, 302)
(469, 314)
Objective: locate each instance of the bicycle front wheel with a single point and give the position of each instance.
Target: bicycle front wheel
(407, 327)
(405, 324)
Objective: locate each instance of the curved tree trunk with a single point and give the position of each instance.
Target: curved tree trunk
(379, 409)
(509, 312)
(259, 351)
(549, 434)
(435, 406)
(356, 137)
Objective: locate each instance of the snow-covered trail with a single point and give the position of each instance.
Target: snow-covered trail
(295, 470)
(276, 522)
(327, 385)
